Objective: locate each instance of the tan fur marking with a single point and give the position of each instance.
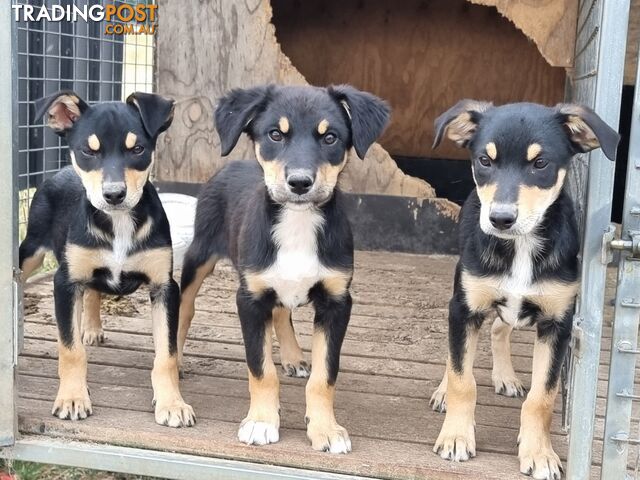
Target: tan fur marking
(93, 142)
(530, 198)
(581, 133)
(145, 229)
(535, 417)
(265, 391)
(480, 292)
(73, 396)
(503, 375)
(327, 174)
(290, 351)
(91, 180)
(491, 150)
(32, 263)
(283, 123)
(273, 169)
(255, 283)
(533, 151)
(458, 427)
(555, 298)
(63, 112)
(487, 193)
(320, 397)
(188, 303)
(135, 179)
(92, 333)
(130, 140)
(461, 128)
(155, 263)
(323, 126)
(337, 285)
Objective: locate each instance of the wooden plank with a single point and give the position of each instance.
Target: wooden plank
(206, 49)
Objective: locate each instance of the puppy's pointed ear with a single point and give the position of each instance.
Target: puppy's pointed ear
(586, 130)
(155, 111)
(368, 114)
(235, 111)
(460, 122)
(62, 110)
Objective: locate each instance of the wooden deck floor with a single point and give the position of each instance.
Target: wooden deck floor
(392, 360)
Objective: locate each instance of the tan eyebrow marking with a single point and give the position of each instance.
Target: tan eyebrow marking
(492, 151)
(284, 124)
(533, 151)
(93, 142)
(130, 141)
(323, 126)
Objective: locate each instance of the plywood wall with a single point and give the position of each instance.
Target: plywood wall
(422, 56)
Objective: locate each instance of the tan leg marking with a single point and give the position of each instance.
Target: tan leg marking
(262, 423)
(188, 304)
(322, 428)
(170, 408)
(32, 263)
(92, 333)
(504, 377)
(72, 401)
(291, 357)
(535, 452)
(438, 400)
(457, 439)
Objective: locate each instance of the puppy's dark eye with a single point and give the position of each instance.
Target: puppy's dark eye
(540, 163)
(276, 135)
(88, 152)
(330, 138)
(137, 149)
(484, 161)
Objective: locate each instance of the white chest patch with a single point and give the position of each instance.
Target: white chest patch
(123, 238)
(519, 283)
(297, 267)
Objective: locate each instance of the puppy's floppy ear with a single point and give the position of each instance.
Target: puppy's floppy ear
(235, 111)
(460, 122)
(156, 111)
(586, 130)
(368, 114)
(63, 109)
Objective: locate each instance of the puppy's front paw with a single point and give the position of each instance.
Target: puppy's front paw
(438, 400)
(457, 440)
(508, 385)
(328, 436)
(299, 369)
(72, 403)
(174, 414)
(253, 432)
(93, 336)
(538, 459)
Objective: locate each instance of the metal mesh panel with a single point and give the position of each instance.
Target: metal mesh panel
(79, 56)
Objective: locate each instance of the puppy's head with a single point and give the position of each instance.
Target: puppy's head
(111, 144)
(520, 154)
(301, 134)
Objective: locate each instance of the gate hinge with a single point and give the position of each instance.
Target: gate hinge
(610, 243)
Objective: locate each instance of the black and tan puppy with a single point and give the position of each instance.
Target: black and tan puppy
(282, 224)
(518, 262)
(105, 224)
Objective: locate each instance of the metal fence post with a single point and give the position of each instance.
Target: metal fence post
(8, 231)
(606, 82)
(624, 342)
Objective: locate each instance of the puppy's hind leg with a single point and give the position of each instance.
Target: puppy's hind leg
(196, 267)
(291, 357)
(92, 333)
(504, 377)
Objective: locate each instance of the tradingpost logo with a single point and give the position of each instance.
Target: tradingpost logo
(120, 19)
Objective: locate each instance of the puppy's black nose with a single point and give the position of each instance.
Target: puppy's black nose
(503, 217)
(299, 183)
(114, 193)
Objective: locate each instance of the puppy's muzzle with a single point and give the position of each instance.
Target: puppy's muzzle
(503, 216)
(299, 182)
(114, 193)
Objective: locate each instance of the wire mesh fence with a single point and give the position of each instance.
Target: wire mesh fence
(82, 56)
